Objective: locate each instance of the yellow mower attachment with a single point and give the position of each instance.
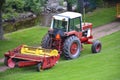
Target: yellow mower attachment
(38, 51)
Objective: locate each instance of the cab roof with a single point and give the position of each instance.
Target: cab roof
(67, 15)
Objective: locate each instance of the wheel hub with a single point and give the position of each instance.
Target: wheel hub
(98, 47)
(73, 48)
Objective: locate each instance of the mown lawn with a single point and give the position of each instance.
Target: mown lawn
(102, 66)
(31, 36)
(101, 16)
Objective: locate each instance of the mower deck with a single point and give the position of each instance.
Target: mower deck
(27, 56)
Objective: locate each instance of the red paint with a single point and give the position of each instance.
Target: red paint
(26, 63)
(11, 63)
(98, 47)
(83, 39)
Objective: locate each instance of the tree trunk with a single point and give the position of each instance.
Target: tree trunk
(69, 6)
(1, 28)
(80, 6)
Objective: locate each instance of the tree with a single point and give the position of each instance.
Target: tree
(1, 28)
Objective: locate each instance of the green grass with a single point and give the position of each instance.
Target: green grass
(30, 36)
(1, 64)
(101, 16)
(102, 66)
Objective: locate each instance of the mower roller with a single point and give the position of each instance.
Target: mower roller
(27, 56)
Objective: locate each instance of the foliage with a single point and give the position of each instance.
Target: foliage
(72, 1)
(101, 66)
(34, 5)
(26, 23)
(24, 5)
(1, 27)
(1, 3)
(88, 4)
(14, 7)
(98, 3)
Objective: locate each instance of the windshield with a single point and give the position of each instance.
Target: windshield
(60, 24)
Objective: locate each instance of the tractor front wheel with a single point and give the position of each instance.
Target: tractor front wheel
(96, 46)
(71, 48)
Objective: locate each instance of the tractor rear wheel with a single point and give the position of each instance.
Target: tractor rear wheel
(96, 46)
(71, 48)
(46, 41)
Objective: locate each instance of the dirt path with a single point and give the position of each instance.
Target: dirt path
(97, 33)
(1, 60)
(106, 29)
(3, 68)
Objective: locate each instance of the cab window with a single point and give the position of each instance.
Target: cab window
(60, 24)
(74, 24)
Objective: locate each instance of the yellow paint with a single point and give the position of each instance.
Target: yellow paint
(38, 51)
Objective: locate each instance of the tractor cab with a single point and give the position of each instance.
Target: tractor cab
(70, 22)
(67, 21)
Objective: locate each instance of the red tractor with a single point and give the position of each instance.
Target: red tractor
(67, 34)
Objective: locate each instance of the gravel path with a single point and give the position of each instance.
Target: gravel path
(3, 68)
(106, 29)
(2, 60)
(97, 33)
